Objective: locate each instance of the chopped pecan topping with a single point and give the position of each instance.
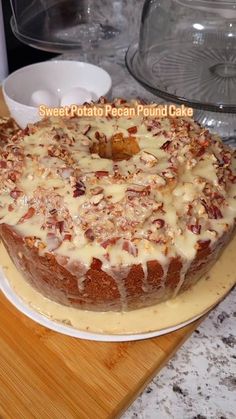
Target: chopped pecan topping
(101, 173)
(11, 207)
(159, 223)
(195, 228)
(86, 129)
(148, 158)
(139, 190)
(109, 242)
(53, 211)
(89, 234)
(132, 130)
(96, 199)
(203, 244)
(13, 176)
(200, 152)
(29, 214)
(130, 247)
(212, 210)
(60, 226)
(16, 193)
(168, 174)
(97, 190)
(53, 242)
(67, 237)
(102, 100)
(100, 136)
(79, 189)
(3, 164)
(166, 145)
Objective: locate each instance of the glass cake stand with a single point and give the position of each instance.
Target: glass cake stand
(186, 54)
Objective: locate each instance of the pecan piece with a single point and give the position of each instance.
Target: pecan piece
(139, 190)
(97, 190)
(159, 223)
(86, 129)
(195, 228)
(132, 130)
(15, 193)
(96, 199)
(130, 247)
(101, 173)
(60, 226)
(166, 145)
(3, 164)
(79, 189)
(212, 210)
(109, 242)
(67, 237)
(89, 234)
(29, 214)
(53, 242)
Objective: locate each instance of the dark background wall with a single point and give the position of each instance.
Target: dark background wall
(18, 53)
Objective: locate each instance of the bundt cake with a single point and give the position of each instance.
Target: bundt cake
(115, 213)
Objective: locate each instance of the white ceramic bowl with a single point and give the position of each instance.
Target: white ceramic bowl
(55, 76)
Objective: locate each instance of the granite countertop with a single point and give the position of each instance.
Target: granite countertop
(199, 382)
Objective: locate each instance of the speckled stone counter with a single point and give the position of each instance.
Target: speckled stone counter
(200, 380)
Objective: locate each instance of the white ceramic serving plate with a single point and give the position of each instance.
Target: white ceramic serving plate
(56, 76)
(24, 308)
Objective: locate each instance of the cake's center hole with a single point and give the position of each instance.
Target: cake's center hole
(115, 148)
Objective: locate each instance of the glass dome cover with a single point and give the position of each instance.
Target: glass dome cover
(187, 52)
(62, 25)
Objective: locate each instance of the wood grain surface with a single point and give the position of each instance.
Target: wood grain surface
(47, 375)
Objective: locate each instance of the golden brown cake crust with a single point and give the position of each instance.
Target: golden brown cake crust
(99, 291)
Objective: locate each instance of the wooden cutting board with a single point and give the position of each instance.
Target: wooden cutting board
(47, 375)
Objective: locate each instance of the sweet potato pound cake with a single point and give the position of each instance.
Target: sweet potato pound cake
(107, 213)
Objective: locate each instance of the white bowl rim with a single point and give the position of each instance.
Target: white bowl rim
(51, 62)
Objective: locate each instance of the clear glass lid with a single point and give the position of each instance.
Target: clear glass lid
(62, 25)
(187, 52)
